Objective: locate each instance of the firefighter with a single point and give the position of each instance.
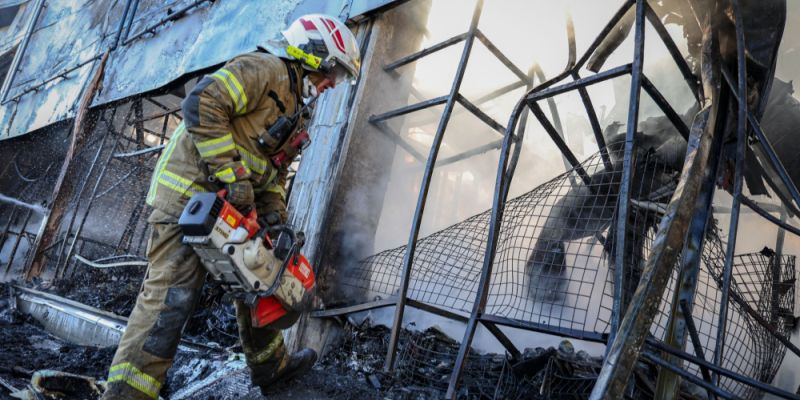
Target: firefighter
(217, 147)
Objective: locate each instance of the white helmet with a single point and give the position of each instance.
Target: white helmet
(323, 43)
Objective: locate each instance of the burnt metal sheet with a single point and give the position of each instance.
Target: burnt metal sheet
(70, 36)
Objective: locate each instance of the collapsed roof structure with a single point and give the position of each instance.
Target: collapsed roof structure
(622, 249)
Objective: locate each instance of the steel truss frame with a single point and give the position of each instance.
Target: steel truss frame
(687, 233)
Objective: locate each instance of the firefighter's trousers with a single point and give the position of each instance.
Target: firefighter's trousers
(171, 288)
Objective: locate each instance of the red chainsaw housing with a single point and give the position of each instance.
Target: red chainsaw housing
(268, 309)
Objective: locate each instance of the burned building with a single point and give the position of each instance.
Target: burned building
(558, 188)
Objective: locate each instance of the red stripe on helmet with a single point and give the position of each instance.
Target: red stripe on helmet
(308, 25)
(337, 38)
(328, 24)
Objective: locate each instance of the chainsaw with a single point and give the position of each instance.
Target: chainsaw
(271, 277)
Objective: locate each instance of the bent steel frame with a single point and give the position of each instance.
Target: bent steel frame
(683, 226)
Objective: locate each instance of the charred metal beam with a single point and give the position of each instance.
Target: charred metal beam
(664, 105)
(82, 188)
(121, 24)
(672, 48)
(680, 321)
(738, 183)
(500, 56)
(134, 8)
(60, 198)
(425, 185)
(688, 376)
(764, 213)
(409, 109)
(722, 371)
(424, 52)
(477, 112)
(698, 347)
(58, 75)
(157, 115)
(767, 146)
(335, 312)
(671, 234)
(399, 141)
(92, 198)
(559, 141)
(582, 83)
(503, 339)
(140, 152)
(628, 161)
(470, 153)
(594, 122)
(545, 328)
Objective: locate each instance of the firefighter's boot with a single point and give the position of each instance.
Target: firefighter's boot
(265, 376)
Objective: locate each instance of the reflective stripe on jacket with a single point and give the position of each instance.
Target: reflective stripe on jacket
(216, 143)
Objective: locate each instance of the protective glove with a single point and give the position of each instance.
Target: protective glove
(240, 194)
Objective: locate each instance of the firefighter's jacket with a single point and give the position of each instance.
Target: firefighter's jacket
(216, 143)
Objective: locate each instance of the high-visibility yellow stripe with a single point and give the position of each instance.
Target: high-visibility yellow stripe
(226, 175)
(234, 88)
(277, 189)
(216, 146)
(162, 162)
(179, 184)
(255, 163)
(137, 379)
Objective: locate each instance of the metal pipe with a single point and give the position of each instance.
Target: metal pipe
(335, 312)
(688, 376)
(58, 75)
(491, 248)
(500, 56)
(82, 188)
(503, 339)
(722, 371)
(672, 48)
(686, 285)
(595, 123)
(741, 148)
(698, 348)
(425, 185)
(399, 141)
(23, 46)
(424, 52)
(130, 23)
(469, 153)
(581, 83)
(662, 103)
(768, 149)
(89, 206)
(171, 17)
(140, 152)
(559, 141)
(477, 112)
(17, 241)
(627, 170)
(121, 24)
(546, 328)
(505, 173)
(409, 109)
(769, 217)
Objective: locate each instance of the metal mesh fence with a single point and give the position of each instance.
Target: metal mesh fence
(555, 265)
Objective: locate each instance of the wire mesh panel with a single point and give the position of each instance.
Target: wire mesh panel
(428, 359)
(555, 258)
